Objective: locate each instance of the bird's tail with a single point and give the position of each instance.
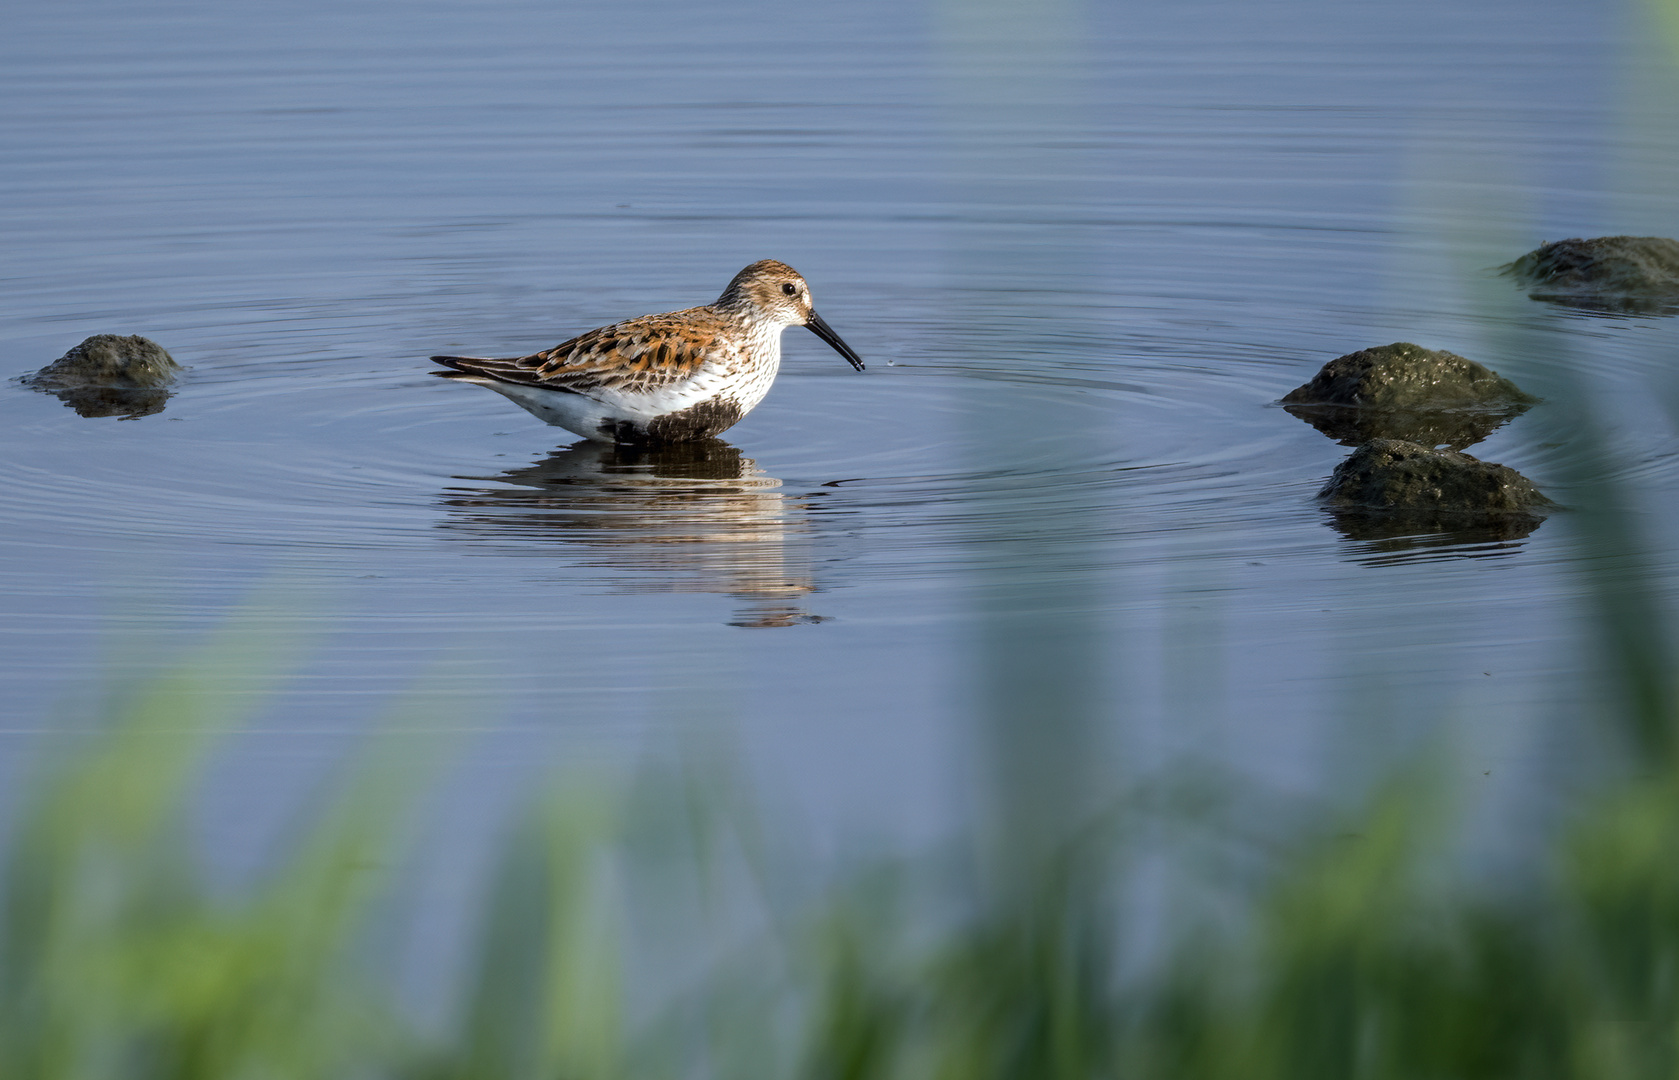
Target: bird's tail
(479, 369)
(462, 363)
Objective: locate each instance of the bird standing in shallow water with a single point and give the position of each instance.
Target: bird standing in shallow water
(663, 378)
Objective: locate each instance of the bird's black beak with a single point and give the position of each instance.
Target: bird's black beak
(822, 330)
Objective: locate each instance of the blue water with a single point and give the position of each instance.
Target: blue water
(1083, 247)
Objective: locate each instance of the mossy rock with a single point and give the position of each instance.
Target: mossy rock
(110, 375)
(110, 360)
(1637, 274)
(1393, 474)
(1404, 391)
(1407, 376)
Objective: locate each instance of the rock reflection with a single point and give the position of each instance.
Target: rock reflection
(693, 517)
(121, 402)
(1351, 425)
(1388, 536)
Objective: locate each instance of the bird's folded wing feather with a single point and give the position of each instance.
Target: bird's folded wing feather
(637, 355)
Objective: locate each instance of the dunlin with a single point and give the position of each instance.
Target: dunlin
(663, 378)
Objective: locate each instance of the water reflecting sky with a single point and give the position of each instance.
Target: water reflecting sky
(1084, 248)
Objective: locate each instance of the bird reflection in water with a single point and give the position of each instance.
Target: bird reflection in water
(688, 517)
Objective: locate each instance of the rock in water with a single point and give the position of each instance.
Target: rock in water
(1404, 391)
(1605, 273)
(110, 375)
(1407, 376)
(109, 360)
(1392, 474)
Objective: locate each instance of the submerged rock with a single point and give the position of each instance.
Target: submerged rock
(110, 375)
(1393, 474)
(1605, 273)
(1404, 391)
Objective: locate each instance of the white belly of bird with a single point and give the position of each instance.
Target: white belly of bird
(598, 413)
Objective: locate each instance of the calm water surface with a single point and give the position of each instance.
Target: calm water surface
(1083, 247)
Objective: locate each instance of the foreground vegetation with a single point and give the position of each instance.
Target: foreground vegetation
(1368, 945)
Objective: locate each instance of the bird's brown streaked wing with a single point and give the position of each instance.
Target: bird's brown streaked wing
(636, 355)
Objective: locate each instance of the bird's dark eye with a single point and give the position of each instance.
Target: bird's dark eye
(789, 288)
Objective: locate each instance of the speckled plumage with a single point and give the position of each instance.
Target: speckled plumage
(673, 377)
